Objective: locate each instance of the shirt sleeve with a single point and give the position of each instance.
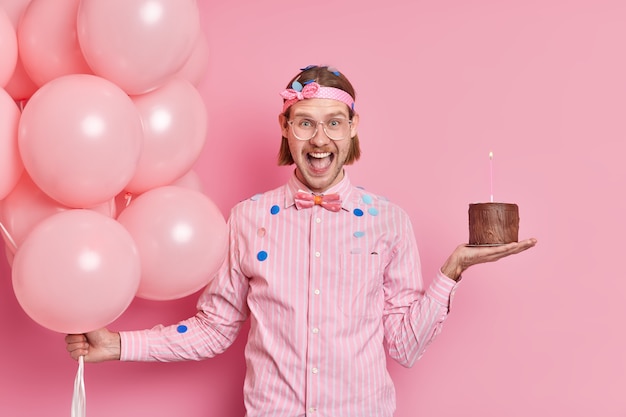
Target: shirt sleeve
(413, 315)
(222, 310)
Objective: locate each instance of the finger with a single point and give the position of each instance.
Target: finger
(522, 246)
(75, 338)
(509, 249)
(515, 247)
(74, 347)
(77, 354)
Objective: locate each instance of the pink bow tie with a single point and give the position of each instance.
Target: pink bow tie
(330, 202)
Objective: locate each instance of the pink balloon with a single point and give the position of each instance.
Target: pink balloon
(137, 44)
(26, 206)
(175, 128)
(48, 42)
(8, 46)
(11, 166)
(181, 237)
(80, 138)
(14, 9)
(77, 271)
(20, 86)
(196, 66)
(190, 180)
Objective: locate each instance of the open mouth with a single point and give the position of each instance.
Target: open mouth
(320, 161)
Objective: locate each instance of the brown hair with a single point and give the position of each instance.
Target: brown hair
(326, 77)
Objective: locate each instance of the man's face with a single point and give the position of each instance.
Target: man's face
(319, 160)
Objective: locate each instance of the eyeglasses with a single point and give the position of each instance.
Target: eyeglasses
(306, 129)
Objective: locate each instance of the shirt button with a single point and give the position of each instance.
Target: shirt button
(312, 409)
(317, 254)
(316, 292)
(315, 330)
(318, 220)
(315, 370)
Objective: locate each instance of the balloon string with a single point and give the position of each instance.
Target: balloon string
(79, 400)
(8, 237)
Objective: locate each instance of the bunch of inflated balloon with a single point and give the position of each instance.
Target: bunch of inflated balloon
(100, 125)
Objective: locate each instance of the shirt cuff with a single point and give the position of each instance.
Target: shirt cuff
(134, 346)
(442, 289)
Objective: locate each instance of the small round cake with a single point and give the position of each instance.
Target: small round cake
(493, 223)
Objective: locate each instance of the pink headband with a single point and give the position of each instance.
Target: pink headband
(314, 90)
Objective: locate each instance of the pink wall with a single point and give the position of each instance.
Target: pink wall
(540, 83)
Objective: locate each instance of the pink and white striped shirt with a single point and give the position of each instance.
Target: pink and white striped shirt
(323, 290)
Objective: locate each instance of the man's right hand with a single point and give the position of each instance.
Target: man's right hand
(97, 346)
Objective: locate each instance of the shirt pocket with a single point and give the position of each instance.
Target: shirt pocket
(360, 286)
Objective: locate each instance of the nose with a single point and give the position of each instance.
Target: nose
(320, 136)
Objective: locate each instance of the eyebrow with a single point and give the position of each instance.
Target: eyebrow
(330, 115)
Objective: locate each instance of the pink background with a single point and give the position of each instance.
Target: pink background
(540, 83)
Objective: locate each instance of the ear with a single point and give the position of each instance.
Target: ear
(354, 125)
(284, 126)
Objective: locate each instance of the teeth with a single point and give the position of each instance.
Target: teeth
(319, 155)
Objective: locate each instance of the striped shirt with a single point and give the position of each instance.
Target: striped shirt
(324, 292)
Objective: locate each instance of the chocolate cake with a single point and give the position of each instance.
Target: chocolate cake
(493, 223)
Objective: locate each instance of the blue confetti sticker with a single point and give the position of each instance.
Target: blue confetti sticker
(181, 329)
(359, 234)
(334, 71)
(261, 256)
(358, 212)
(373, 211)
(367, 199)
(275, 209)
(296, 85)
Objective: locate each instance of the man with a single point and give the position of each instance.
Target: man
(325, 271)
